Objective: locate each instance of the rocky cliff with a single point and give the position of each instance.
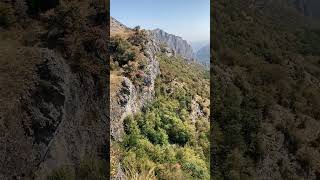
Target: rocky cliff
(180, 46)
(128, 98)
(53, 93)
(57, 122)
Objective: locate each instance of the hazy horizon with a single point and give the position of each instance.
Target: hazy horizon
(188, 19)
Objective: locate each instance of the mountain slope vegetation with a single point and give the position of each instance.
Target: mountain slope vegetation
(53, 64)
(163, 136)
(266, 92)
(167, 137)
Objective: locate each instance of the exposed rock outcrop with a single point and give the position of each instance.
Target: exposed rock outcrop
(122, 105)
(180, 46)
(130, 98)
(199, 108)
(196, 111)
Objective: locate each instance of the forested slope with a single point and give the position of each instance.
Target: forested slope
(265, 79)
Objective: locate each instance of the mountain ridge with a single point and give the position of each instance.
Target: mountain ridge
(177, 43)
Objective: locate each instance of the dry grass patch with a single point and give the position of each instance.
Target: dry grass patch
(123, 33)
(115, 84)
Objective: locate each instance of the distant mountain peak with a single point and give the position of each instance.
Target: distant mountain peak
(158, 30)
(178, 44)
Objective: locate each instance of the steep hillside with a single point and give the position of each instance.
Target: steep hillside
(159, 112)
(53, 116)
(266, 89)
(133, 71)
(180, 46)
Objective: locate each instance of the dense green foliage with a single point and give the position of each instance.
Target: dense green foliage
(266, 58)
(162, 137)
(122, 51)
(127, 56)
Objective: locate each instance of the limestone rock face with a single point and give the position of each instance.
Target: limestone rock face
(176, 43)
(58, 122)
(122, 105)
(199, 108)
(196, 111)
(130, 98)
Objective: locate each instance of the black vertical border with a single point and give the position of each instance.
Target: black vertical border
(106, 75)
(212, 99)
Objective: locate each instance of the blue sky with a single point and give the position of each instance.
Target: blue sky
(189, 19)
